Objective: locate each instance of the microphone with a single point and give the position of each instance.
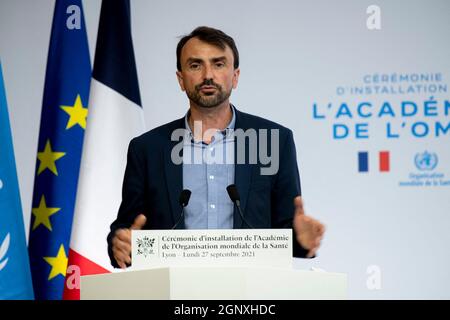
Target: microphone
(185, 195)
(233, 193)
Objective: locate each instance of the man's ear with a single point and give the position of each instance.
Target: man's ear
(180, 80)
(236, 74)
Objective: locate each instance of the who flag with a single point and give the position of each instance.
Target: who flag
(15, 277)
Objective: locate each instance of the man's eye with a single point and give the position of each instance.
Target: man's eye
(194, 66)
(220, 64)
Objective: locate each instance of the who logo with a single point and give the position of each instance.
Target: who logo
(4, 244)
(426, 161)
(3, 251)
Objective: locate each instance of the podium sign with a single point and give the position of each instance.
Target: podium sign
(213, 264)
(219, 247)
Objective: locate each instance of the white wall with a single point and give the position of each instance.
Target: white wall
(293, 53)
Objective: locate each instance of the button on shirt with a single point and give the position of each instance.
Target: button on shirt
(207, 171)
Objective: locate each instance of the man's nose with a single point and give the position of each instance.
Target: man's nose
(208, 73)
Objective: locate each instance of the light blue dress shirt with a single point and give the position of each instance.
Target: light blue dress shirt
(207, 170)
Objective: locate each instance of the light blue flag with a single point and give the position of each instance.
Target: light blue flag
(15, 276)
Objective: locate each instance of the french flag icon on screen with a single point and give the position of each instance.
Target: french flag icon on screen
(383, 161)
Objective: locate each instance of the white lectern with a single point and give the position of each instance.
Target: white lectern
(210, 283)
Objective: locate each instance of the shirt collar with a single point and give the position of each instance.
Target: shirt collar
(230, 127)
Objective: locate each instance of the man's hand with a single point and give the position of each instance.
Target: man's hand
(309, 231)
(121, 243)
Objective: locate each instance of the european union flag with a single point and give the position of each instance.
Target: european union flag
(63, 121)
(15, 277)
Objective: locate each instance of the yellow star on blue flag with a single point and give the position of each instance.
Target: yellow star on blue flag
(42, 215)
(58, 263)
(77, 114)
(48, 159)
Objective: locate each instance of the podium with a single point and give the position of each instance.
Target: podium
(214, 283)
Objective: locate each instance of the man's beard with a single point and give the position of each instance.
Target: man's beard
(208, 101)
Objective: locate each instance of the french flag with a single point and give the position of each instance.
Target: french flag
(115, 117)
(383, 161)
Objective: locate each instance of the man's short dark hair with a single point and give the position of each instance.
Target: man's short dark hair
(212, 36)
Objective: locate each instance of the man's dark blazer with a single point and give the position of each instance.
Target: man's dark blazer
(153, 183)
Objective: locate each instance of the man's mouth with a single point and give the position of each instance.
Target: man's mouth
(208, 89)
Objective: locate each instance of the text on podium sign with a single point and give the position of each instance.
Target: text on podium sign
(236, 247)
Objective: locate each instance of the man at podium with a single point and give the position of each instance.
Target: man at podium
(215, 168)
